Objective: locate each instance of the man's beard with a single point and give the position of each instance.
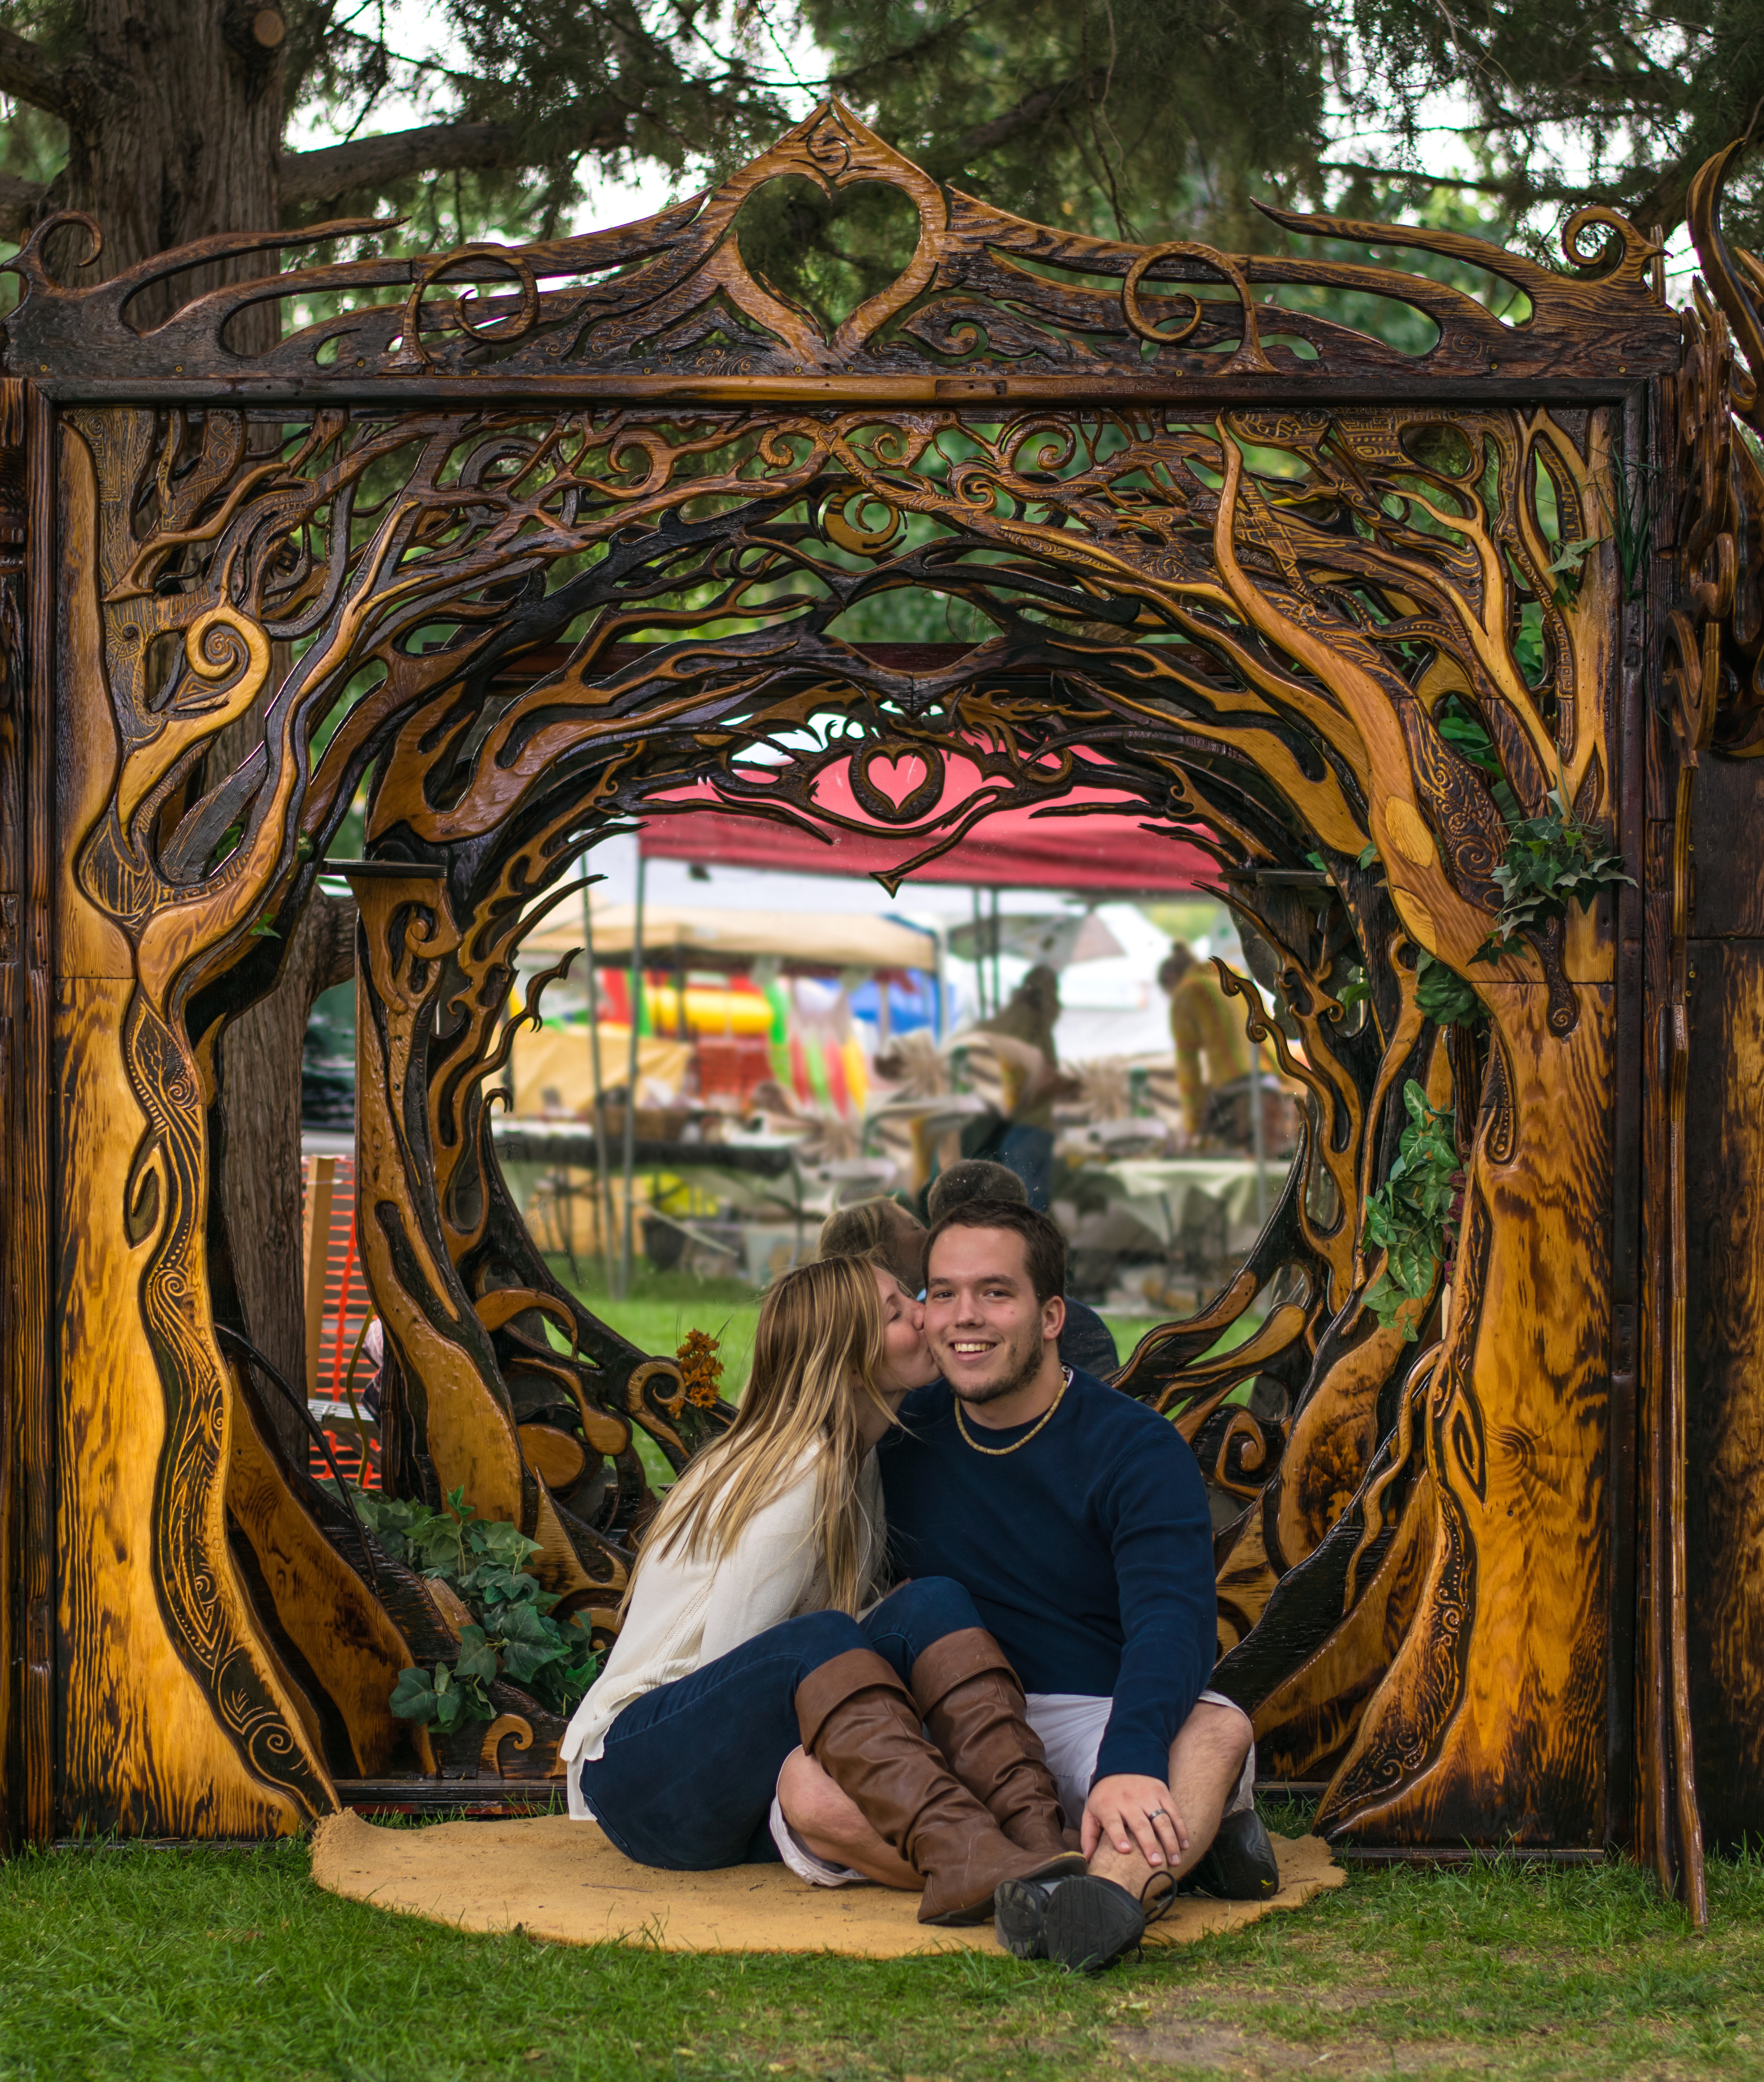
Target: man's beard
(1020, 1376)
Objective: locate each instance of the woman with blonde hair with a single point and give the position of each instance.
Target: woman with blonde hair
(750, 1640)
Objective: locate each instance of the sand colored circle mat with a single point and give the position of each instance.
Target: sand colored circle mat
(555, 1878)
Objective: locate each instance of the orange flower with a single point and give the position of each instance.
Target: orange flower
(699, 1369)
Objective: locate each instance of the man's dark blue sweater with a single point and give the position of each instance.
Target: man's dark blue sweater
(1088, 1551)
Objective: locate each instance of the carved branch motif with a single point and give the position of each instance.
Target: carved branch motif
(565, 537)
(986, 301)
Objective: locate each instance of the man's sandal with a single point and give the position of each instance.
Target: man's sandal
(1083, 1923)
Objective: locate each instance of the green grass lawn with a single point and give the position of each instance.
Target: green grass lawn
(138, 1964)
(663, 1306)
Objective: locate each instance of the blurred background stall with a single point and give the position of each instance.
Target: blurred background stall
(796, 1037)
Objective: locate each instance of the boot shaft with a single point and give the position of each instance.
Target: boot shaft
(974, 1711)
(861, 1725)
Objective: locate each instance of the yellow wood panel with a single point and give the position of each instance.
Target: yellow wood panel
(88, 943)
(144, 1749)
(1306, 1721)
(444, 1349)
(176, 1719)
(326, 1610)
(1496, 1693)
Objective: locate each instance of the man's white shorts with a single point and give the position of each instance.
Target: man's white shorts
(1071, 1725)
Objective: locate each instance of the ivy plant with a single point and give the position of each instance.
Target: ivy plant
(513, 1634)
(1551, 861)
(1406, 1217)
(1444, 996)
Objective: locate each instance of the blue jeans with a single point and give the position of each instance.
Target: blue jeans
(686, 1778)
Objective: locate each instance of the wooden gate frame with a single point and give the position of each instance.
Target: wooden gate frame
(1242, 559)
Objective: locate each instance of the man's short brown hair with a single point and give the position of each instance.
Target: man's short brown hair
(1043, 1245)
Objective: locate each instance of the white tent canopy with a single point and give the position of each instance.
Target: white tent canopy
(830, 941)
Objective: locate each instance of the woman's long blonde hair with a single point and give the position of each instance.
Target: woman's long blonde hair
(819, 1325)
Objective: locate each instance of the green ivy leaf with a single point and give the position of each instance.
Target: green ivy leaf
(476, 1662)
(1406, 1217)
(1551, 861)
(412, 1696)
(524, 1660)
(523, 1622)
(512, 1634)
(507, 1545)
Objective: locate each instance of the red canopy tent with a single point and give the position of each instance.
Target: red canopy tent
(1099, 842)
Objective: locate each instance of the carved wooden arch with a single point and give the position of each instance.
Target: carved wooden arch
(531, 561)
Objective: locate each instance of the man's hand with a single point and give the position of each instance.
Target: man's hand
(1129, 1814)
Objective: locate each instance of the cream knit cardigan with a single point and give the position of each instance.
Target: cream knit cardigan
(687, 1610)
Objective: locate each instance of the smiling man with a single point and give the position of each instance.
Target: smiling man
(1078, 1520)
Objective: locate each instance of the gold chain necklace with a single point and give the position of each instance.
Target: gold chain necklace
(998, 1452)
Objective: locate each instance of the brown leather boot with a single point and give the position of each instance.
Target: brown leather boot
(973, 1710)
(860, 1724)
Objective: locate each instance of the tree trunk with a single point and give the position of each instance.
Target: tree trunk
(176, 134)
(260, 1180)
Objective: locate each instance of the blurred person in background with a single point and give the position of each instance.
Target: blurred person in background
(1212, 1050)
(1026, 1148)
(882, 1231)
(1085, 1341)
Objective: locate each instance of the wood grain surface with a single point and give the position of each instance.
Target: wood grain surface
(342, 1634)
(1724, 1398)
(1506, 1655)
(27, 1434)
(988, 305)
(173, 1721)
(1278, 656)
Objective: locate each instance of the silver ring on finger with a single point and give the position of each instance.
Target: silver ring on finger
(1151, 1814)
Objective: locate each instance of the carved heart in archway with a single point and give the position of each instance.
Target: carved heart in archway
(897, 778)
(896, 787)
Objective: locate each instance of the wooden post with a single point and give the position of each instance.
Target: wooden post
(630, 1091)
(603, 1181)
(316, 1236)
(26, 884)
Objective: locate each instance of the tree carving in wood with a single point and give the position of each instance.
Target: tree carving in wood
(523, 566)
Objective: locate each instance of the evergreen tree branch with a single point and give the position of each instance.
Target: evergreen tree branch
(852, 80)
(20, 202)
(433, 148)
(1032, 110)
(27, 73)
(1552, 191)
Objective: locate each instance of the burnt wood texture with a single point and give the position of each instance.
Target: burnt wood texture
(552, 538)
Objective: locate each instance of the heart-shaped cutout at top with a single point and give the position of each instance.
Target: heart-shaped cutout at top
(828, 253)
